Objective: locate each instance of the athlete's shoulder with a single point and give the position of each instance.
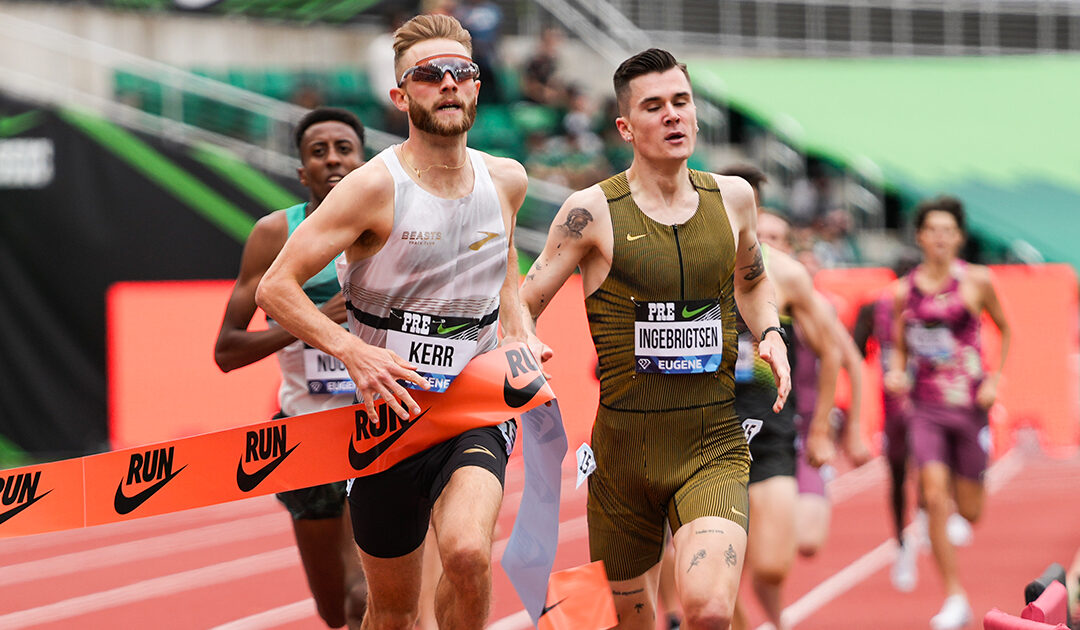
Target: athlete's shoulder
(503, 166)
(979, 275)
(591, 198)
(786, 270)
(271, 227)
(372, 179)
(737, 194)
(507, 173)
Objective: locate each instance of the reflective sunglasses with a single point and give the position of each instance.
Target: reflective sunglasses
(433, 69)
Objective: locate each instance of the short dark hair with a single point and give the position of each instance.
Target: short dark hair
(324, 114)
(645, 62)
(752, 174)
(942, 203)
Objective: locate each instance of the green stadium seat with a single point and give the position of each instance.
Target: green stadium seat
(531, 118)
(496, 131)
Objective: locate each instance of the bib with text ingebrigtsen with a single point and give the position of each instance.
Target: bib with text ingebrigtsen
(678, 336)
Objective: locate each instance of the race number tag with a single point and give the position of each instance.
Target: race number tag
(935, 343)
(439, 346)
(678, 337)
(586, 463)
(325, 373)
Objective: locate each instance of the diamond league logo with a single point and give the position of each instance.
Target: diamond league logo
(644, 363)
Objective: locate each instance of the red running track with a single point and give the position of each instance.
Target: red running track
(235, 566)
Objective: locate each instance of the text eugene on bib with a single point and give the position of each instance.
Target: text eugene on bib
(678, 336)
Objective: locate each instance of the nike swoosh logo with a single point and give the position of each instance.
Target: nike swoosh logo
(360, 460)
(447, 331)
(478, 244)
(635, 237)
(519, 397)
(737, 512)
(547, 609)
(688, 314)
(15, 510)
(247, 482)
(124, 504)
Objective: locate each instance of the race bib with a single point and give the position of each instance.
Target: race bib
(325, 373)
(678, 337)
(439, 346)
(936, 343)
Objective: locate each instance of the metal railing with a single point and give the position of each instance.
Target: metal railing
(52, 66)
(855, 27)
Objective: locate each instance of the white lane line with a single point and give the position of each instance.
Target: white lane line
(517, 621)
(568, 530)
(128, 529)
(1003, 471)
(869, 475)
(842, 488)
(296, 611)
(155, 587)
(146, 548)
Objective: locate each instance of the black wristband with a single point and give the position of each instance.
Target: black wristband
(783, 335)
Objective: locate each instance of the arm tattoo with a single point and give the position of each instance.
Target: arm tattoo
(709, 531)
(730, 557)
(699, 555)
(628, 592)
(756, 268)
(576, 221)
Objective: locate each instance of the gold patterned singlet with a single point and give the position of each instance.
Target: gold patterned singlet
(682, 275)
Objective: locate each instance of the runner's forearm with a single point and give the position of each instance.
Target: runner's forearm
(285, 301)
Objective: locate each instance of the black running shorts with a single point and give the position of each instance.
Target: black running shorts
(390, 510)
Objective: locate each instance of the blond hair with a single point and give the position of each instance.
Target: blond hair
(425, 27)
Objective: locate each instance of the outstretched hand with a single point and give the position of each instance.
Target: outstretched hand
(855, 447)
(376, 372)
(773, 351)
(538, 348)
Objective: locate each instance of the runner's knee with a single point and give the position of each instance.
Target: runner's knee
(809, 548)
(713, 612)
(937, 499)
(772, 573)
(466, 561)
(970, 510)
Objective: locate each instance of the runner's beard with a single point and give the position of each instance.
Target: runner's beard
(425, 120)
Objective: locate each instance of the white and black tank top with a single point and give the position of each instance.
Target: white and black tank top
(431, 294)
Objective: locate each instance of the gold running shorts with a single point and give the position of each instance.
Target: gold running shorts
(680, 465)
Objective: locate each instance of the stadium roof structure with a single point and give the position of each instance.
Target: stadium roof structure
(297, 10)
(1002, 133)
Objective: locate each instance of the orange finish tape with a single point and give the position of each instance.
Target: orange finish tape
(266, 457)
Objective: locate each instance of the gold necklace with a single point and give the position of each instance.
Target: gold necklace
(420, 173)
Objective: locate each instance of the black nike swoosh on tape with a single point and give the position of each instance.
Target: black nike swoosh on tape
(360, 460)
(15, 510)
(547, 609)
(124, 504)
(247, 482)
(519, 397)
